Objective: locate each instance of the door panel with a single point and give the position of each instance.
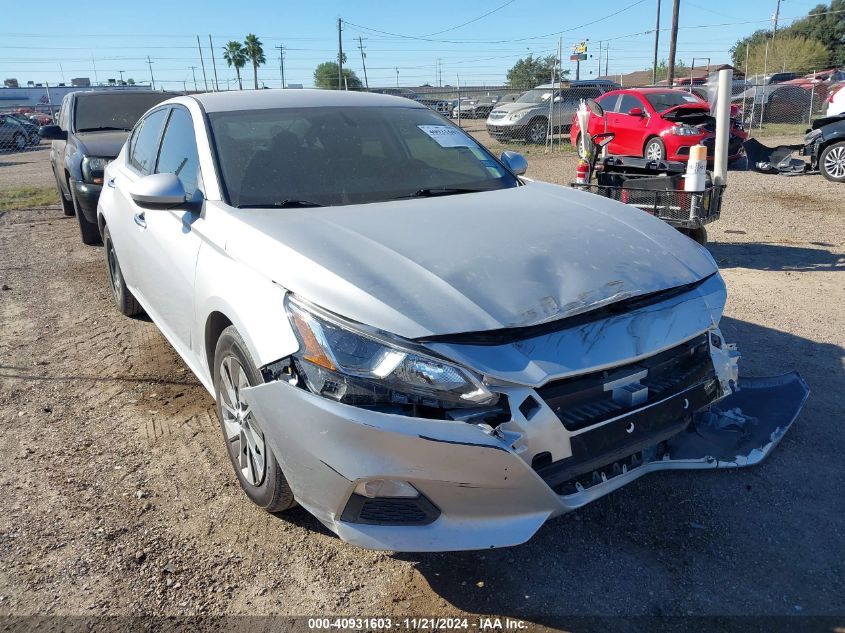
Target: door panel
(630, 130)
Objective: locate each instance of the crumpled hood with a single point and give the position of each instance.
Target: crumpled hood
(470, 262)
(686, 110)
(106, 143)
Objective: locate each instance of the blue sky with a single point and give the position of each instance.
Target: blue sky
(55, 40)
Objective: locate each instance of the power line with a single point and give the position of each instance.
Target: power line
(480, 17)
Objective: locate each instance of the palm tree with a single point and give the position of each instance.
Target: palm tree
(254, 53)
(235, 55)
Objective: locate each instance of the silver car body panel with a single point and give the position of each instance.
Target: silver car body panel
(442, 270)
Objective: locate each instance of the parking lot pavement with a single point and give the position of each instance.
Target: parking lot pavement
(118, 496)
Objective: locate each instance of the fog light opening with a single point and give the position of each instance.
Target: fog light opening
(375, 488)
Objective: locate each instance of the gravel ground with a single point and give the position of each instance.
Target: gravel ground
(118, 497)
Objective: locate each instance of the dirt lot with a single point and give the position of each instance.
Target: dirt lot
(118, 497)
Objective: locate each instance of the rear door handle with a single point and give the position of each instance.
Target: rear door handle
(110, 182)
(140, 220)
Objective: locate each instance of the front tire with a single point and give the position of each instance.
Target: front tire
(88, 231)
(538, 132)
(832, 162)
(654, 149)
(123, 298)
(258, 472)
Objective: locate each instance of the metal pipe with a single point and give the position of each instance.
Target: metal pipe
(723, 126)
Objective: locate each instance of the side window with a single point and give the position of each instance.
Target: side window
(145, 141)
(179, 150)
(627, 103)
(608, 102)
(63, 119)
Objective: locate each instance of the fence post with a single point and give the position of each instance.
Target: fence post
(458, 106)
(812, 94)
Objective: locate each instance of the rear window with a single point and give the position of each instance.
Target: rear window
(113, 111)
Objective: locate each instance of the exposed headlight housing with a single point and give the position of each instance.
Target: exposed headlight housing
(811, 136)
(342, 361)
(515, 116)
(93, 167)
(684, 130)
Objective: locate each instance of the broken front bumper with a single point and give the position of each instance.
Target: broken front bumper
(478, 490)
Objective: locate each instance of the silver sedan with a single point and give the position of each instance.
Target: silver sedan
(408, 338)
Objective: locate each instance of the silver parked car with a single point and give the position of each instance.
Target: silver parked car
(392, 346)
(527, 118)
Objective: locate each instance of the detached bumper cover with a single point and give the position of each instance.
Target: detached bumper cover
(486, 492)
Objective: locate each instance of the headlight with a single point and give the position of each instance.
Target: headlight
(515, 116)
(684, 130)
(342, 362)
(92, 169)
(811, 136)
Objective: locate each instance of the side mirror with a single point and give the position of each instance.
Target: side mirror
(636, 112)
(595, 108)
(158, 191)
(515, 162)
(52, 133)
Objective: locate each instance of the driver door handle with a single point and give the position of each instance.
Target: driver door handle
(110, 182)
(140, 220)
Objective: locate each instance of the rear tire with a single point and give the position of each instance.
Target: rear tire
(579, 147)
(256, 467)
(88, 231)
(67, 205)
(698, 235)
(832, 162)
(123, 298)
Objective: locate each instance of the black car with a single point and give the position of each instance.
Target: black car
(824, 143)
(92, 127)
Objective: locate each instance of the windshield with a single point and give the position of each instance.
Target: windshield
(537, 95)
(113, 111)
(339, 156)
(661, 101)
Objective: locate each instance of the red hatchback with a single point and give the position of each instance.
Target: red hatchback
(657, 123)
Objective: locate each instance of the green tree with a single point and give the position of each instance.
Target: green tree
(235, 55)
(325, 76)
(824, 24)
(681, 70)
(254, 51)
(532, 71)
(787, 52)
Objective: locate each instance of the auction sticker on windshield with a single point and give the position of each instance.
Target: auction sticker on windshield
(448, 136)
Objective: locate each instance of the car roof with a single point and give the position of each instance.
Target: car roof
(299, 98)
(121, 91)
(580, 82)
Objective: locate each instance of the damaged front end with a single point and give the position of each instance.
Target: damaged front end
(469, 442)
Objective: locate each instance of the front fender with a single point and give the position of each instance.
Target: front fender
(253, 303)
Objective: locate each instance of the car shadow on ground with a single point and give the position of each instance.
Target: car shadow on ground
(687, 542)
(773, 256)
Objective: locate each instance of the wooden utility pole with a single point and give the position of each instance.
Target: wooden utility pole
(339, 55)
(281, 64)
(673, 41)
(656, 42)
(213, 63)
(775, 20)
(363, 61)
(202, 63)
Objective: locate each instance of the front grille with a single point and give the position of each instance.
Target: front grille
(669, 387)
(389, 511)
(494, 115)
(583, 401)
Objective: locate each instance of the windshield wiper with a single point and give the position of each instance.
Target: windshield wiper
(284, 204)
(103, 127)
(443, 191)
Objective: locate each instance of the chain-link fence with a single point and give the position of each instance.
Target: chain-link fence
(19, 127)
(781, 104)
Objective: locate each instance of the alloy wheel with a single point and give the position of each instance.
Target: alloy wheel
(537, 132)
(115, 276)
(653, 152)
(20, 142)
(834, 162)
(245, 439)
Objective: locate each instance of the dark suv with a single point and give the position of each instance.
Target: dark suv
(92, 127)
